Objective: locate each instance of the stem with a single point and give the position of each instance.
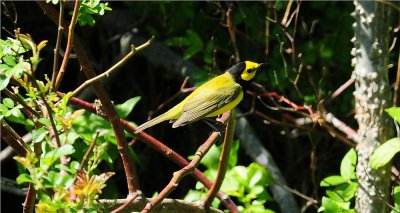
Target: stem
(91, 147)
(27, 110)
(8, 135)
(57, 47)
(115, 67)
(396, 85)
(70, 41)
(223, 160)
(30, 199)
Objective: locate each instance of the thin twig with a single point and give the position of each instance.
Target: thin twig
(28, 110)
(115, 67)
(340, 90)
(46, 111)
(173, 184)
(396, 85)
(223, 160)
(90, 149)
(13, 140)
(232, 33)
(286, 15)
(57, 47)
(70, 41)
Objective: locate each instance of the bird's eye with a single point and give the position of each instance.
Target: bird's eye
(251, 70)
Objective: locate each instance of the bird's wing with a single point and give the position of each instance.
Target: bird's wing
(206, 103)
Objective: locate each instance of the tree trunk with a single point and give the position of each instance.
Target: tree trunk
(372, 95)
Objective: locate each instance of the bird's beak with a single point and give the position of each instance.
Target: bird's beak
(261, 66)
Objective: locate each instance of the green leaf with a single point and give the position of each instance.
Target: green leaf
(8, 102)
(124, 109)
(394, 112)
(385, 153)
(54, 155)
(4, 80)
(344, 192)
(348, 165)
(258, 175)
(45, 121)
(39, 134)
(333, 181)
(309, 99)
(332, 206)
(24, 178)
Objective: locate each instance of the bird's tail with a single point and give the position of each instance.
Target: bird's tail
(152, 122)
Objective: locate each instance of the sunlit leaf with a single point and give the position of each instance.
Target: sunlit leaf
(385, 153)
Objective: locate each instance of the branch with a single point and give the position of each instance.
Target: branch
(88, 151)
(57, 47)
(115, 67)
(70, 42)
(223, 160)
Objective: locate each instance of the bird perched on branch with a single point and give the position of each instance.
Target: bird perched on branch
(216, 96)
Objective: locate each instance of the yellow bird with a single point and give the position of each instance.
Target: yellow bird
(216, 96)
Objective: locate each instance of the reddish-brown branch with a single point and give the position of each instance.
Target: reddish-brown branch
(30, 199)
(232, 33)
(223, 161)
(57, 47)
(340, 90)
(11, 140)
(70, 43)
(163, 149)
(107, 106)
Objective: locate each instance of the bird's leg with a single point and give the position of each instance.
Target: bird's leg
(216, 126)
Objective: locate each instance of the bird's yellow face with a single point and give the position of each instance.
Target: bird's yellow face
(249, 71)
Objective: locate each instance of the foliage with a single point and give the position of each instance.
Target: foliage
(88, 8)
(247, 184)
(341, 188)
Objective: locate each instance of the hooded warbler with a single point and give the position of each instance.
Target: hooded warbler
(216, 96)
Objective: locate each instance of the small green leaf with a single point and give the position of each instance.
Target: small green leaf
(45, 121)
(258, 175)
(348, 165)
(4, 80)
(8, 102)
(384, 153)
(39, 134)
(309, 99)
(52, 156)
(394, 112)
(24, 178)
(343, 193)
(124, 109)
(332, 206)
(333, 181)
